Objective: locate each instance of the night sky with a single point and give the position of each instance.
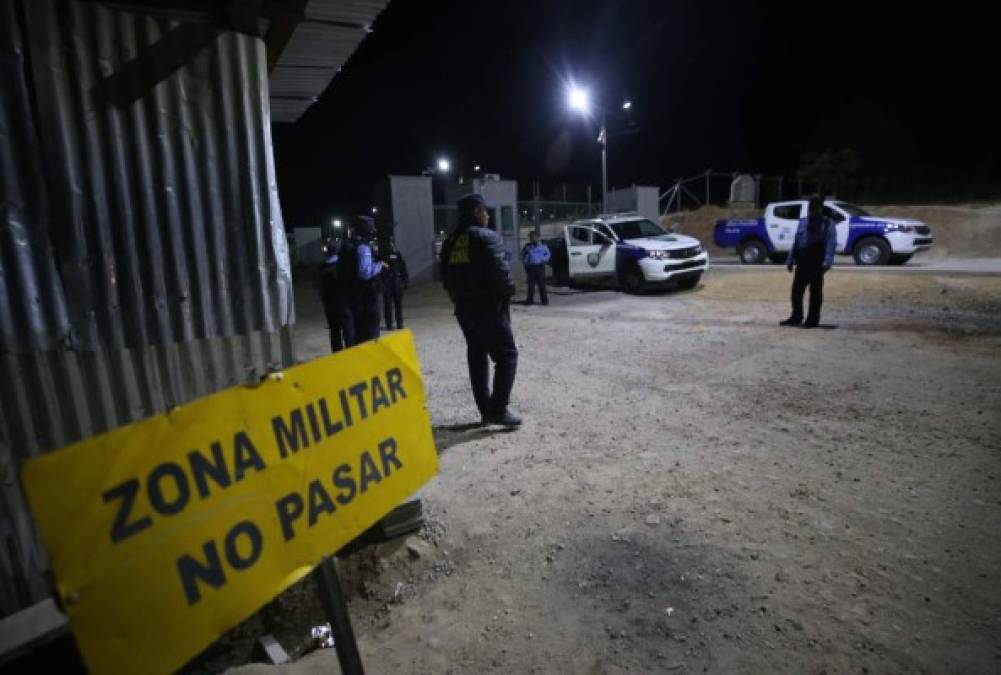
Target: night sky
(744, 86)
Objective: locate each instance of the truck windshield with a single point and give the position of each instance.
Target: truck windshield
(637, 229)
(851, 209)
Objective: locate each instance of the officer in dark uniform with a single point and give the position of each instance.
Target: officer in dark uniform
(478, 279)
(336, 305)
(394, 282)
(365, 270)
(812, 255)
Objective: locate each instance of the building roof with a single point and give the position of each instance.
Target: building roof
(308, 41)
(320, 44)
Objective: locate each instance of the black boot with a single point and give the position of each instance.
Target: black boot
(791, 321)
(503, 418)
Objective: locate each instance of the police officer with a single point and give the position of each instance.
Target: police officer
(394, 282)
(478, 279)
(534, 256)
(365, 269)
(812, 255)
(336, 304)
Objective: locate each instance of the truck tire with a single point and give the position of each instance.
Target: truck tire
(632, 280)
(752, 252)
(689, 282)
(872, 251)
(900, 259)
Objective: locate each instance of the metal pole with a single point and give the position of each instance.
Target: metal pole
(604, 166)
(337, 613)
(535, 207)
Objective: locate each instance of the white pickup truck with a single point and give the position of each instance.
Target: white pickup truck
(872, 240)
(628, 249)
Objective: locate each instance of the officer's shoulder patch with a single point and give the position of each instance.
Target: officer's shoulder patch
(460, 250)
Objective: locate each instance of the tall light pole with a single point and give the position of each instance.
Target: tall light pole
(579, 100)
(603, 137)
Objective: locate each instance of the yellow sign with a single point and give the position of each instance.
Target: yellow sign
(165, 533)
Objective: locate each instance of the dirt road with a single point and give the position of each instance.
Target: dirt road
(696, 489)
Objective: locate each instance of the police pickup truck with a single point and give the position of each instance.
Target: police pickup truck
(628, 249)
(872, 240)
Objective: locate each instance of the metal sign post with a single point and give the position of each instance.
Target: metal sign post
(337, 614)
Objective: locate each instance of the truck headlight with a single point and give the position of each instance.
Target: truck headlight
(659, 255)
(897, 227)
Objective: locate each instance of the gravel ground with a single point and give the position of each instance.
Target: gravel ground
(696, 489)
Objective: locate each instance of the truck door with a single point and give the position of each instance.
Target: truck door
(782, 221)
(591, 253)
(841, 222)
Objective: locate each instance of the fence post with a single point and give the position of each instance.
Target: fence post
(535, 206)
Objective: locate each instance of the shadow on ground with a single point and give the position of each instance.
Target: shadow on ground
(449, 435)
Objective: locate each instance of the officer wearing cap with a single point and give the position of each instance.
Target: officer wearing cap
(394, 281)
(476, 274)
(365, 286)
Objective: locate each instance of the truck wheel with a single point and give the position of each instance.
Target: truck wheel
(689, 282)
(872, 251)
(632, 281)
(900, 259)
(752, 252)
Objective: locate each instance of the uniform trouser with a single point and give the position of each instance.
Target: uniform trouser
(365, 307)
(340, 322)
(488, 334)
(392, 305)
(809, 272)
(536, 275)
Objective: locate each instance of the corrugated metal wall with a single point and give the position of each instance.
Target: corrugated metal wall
(142, 249)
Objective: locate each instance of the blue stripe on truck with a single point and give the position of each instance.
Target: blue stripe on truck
(730, 233)
(859, 228)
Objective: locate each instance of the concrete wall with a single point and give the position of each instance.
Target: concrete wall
(643, 199)
(308, 245)
(411, 209)
(501, 195)
(648, 202)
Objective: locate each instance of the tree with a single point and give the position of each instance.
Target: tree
(828, 169)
